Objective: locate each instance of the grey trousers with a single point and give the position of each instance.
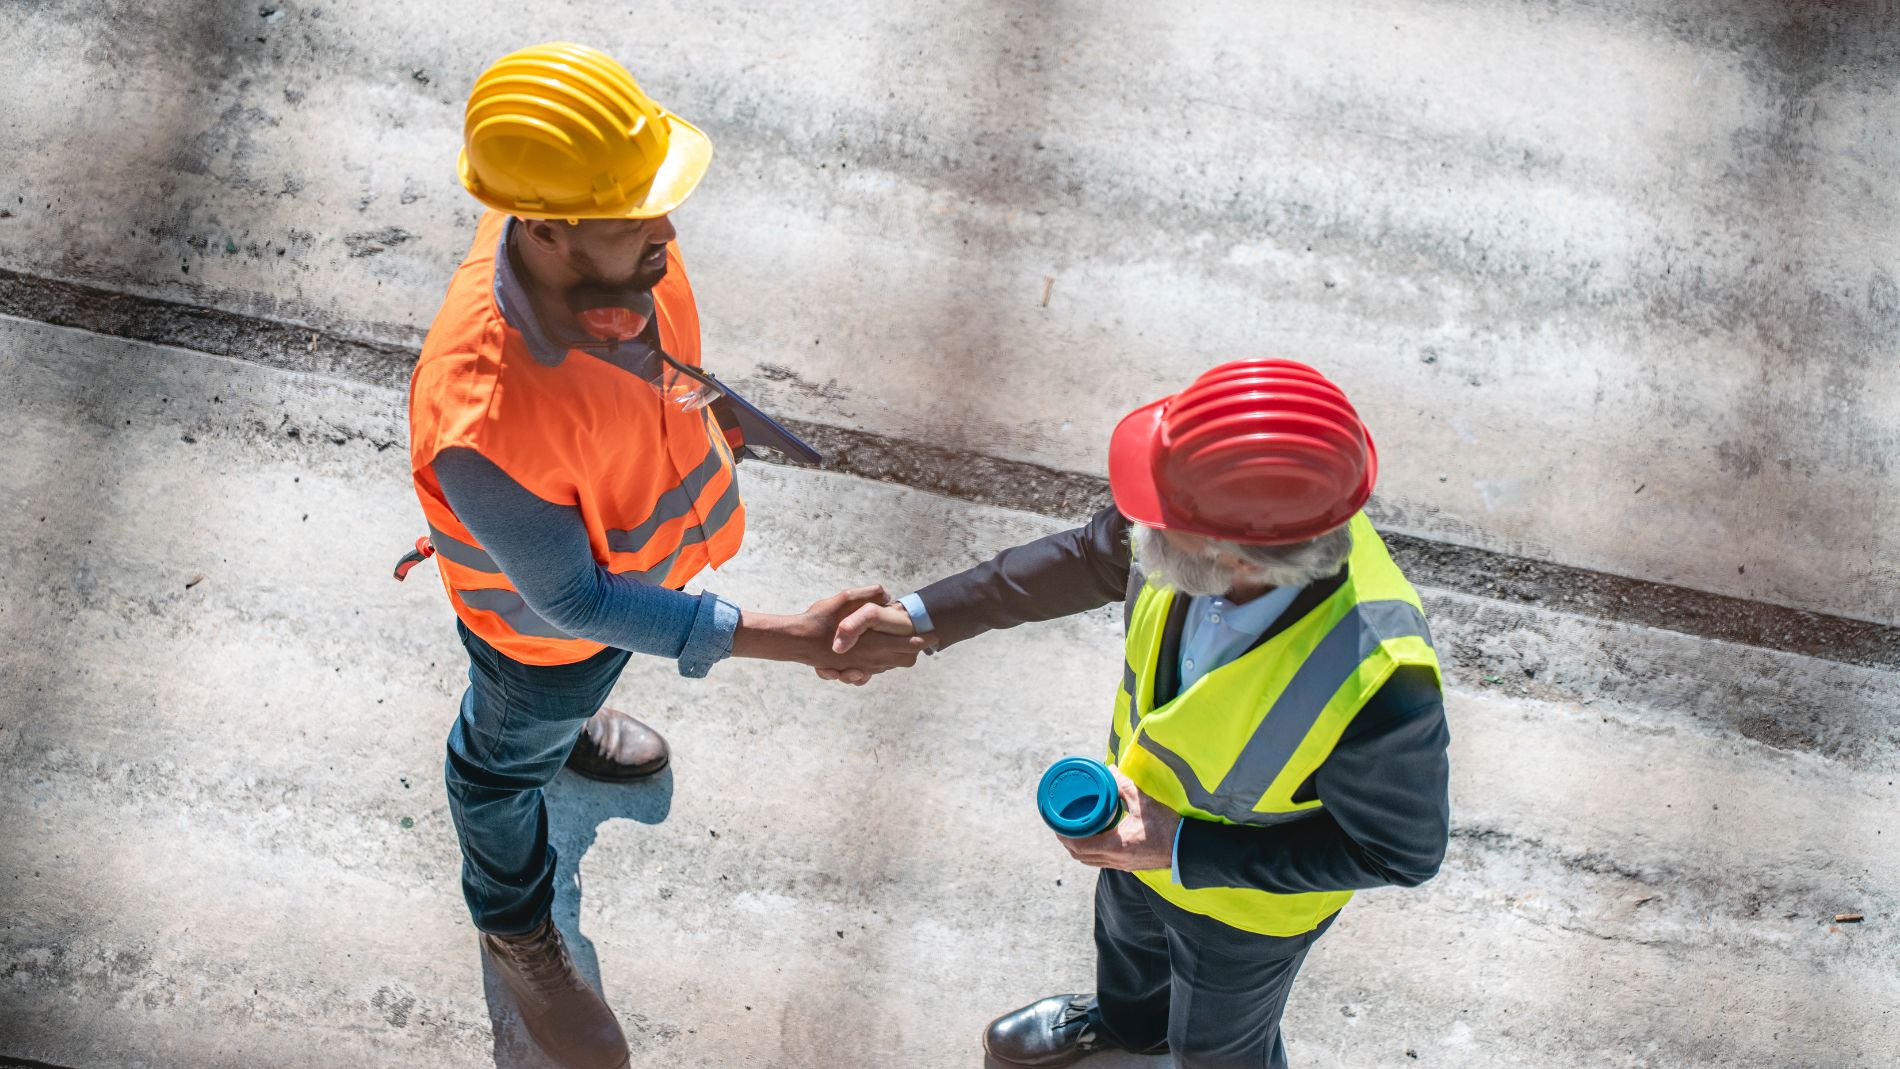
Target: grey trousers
(1213, 992)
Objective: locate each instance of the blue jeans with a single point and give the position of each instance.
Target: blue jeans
(517, 726)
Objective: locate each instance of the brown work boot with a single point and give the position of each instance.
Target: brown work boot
(616, 748)
(567, 1018)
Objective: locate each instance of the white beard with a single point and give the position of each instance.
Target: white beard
(1191, 574)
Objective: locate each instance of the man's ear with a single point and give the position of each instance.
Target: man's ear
(542, 233)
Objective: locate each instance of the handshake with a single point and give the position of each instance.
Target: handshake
(849, 636)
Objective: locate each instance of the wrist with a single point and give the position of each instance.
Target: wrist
(710, 639)
(768, 637)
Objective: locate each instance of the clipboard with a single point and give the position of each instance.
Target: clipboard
(756, 429)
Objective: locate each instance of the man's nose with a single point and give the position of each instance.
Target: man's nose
(662, 231)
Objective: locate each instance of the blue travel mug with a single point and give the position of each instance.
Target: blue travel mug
(1078, 798)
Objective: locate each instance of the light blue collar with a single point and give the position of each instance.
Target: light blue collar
(1254, 617)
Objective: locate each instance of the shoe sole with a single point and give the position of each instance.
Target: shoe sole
(993, 1061)
(630, 778)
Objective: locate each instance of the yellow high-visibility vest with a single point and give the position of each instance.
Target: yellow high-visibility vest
(1236, 745)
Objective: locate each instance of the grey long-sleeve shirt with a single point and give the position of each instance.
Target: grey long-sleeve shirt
(542, 548)
(1386, 814)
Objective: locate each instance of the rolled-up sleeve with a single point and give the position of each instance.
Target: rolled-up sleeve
(710, 640)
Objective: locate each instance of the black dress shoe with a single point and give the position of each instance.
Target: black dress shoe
(1058, 1030)
(615, 747)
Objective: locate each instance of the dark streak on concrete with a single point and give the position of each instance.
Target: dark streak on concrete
(372, 242)
(289, 346)
(996, 481)
(1635, 601)
(21, 1063)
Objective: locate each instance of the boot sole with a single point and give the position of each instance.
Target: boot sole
(993, 1061)
(616, 776)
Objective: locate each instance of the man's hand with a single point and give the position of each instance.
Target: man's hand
(1143, 840)
(809, 636)
(888, 619)
(880, 618)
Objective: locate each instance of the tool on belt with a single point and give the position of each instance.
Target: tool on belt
(422, 552)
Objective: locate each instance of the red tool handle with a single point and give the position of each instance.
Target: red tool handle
(422, 552)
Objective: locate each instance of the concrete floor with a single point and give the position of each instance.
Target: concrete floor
(1614, 280)
(227, 842)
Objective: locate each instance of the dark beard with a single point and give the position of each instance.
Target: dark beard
(591, 275)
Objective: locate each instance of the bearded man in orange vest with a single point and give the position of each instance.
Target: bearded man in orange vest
(572, 489)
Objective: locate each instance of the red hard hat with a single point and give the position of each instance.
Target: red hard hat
(1261, 452)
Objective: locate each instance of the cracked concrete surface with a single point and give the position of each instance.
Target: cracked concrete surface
(228, 842)
(1615, 280)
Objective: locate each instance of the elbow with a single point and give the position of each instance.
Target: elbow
(571, 612)
(1417, 871)
(1413, 876)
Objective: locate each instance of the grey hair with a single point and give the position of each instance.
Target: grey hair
(1201, 572)
(1298, 563)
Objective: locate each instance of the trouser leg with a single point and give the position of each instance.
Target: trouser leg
(1131, 963)
(1225, 1007)
(516, 726)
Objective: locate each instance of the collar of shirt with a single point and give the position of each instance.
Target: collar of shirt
(1218, 631)
(511, 296)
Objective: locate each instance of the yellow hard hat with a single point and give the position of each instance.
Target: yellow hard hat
(561, 131)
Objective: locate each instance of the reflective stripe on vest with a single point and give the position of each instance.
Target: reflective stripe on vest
(677, 502)
(474, 558)
(1294, 712)
(722, 511)
(672, 505)
(1129, 681)
(513, 610)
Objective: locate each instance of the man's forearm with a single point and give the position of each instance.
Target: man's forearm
(1058, 575)
(543, 549)
(770, 637)
(1305, 855)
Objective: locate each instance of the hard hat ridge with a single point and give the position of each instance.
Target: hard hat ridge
(561, 130)
(1256, 451)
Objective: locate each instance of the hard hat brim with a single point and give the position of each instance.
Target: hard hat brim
(1131, 467)
(688, 154)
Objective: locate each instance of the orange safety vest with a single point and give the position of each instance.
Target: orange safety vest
(655, 486)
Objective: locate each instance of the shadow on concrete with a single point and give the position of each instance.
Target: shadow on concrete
(577, 808)
(1122, 1060)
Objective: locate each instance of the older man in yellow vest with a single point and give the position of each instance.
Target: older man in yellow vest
(1279, 734)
